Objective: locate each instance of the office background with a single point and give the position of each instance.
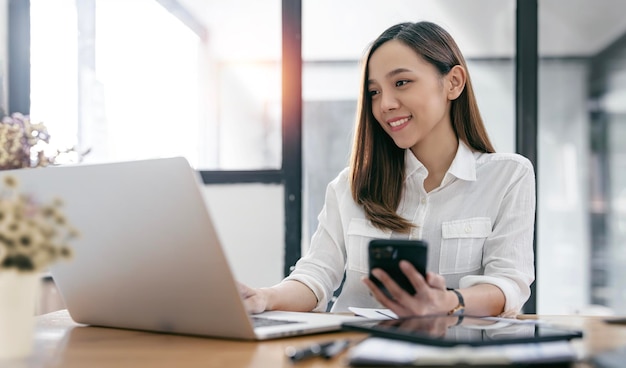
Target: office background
(203, 78)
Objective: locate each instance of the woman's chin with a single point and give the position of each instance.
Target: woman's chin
(403, 144)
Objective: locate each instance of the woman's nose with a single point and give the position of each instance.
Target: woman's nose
(388, 102)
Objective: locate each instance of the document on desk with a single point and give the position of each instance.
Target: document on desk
(380, 351)
(382, 313)
(373, 313)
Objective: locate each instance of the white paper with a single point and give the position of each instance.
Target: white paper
(375, 350)
(373, 313)
(381, 313)
(516, 321)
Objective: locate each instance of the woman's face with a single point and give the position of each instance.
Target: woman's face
(408, 95)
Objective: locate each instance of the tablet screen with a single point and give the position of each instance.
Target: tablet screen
(474, 331)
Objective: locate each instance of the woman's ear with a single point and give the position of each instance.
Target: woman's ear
(456, 81)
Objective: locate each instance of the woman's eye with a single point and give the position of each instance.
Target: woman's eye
(373, 93)
(401, 83)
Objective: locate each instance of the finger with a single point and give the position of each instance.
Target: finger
(416, 278)
(397, 293)
(244, 291)
(435, 280)
(253, 305)
(375, 291)
(255, 301)
(378, 294)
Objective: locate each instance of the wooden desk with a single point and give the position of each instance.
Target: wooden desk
(59, 342)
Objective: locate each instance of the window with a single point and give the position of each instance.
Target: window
(129, 80)
(133, 79)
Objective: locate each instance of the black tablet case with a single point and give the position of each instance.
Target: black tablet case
(472, 331)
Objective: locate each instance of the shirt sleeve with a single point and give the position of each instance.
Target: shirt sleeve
(508, 257)
(321, 268)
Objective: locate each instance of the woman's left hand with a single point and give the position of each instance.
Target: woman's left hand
(431, 296)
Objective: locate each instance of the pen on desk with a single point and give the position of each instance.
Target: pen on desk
(314, 350)
(335, 348)
(386, 314)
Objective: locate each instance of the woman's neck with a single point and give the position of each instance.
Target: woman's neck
(437, 153)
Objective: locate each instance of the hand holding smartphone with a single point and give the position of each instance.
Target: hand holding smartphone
(386, 254)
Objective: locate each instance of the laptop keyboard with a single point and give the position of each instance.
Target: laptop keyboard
(262, 322)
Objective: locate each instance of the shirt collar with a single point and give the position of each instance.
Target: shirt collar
(411, 164)
(463, 166)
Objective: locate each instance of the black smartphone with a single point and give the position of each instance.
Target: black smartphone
(387, 254)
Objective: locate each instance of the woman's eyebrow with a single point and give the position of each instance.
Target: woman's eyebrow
(396, 71)
(390, 74)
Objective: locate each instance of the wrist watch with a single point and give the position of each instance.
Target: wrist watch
(460, 308)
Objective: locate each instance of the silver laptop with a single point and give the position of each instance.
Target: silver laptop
(148, 257)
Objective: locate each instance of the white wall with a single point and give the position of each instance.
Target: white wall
(250, 221)
(4, 42)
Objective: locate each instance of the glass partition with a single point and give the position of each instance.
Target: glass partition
(582, 101)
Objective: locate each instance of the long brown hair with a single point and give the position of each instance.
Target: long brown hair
(377, 164)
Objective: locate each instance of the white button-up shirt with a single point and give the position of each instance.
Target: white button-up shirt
(478, 224)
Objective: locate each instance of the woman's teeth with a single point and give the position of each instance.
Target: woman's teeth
(398, 122)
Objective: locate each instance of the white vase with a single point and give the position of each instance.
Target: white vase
(18, 297)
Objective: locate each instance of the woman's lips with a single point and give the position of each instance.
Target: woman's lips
(398, 122)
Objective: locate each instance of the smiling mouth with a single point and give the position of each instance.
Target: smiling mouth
(399, 122)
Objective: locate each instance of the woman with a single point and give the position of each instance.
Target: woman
(422, 167)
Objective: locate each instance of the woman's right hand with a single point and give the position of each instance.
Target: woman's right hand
(255, 300)
(287, 295)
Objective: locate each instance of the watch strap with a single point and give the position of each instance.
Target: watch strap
(460, 308)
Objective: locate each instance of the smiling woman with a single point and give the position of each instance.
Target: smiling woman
(405, 80)
(421, 179)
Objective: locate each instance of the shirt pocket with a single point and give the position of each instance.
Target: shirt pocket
(360, 232)
(462, 244)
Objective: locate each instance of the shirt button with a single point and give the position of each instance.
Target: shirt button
(423, 200)
(468, 228)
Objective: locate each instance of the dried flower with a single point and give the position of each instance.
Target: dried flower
(32, 235)
(24, 144)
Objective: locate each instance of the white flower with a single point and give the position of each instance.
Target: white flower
(3, 253)
(32, 235)
(25, 144)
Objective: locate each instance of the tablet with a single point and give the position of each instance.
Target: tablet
(473, 331)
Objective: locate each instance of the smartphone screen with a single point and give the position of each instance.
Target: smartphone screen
(387, 254)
